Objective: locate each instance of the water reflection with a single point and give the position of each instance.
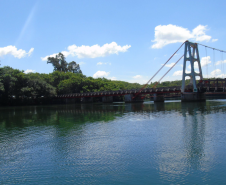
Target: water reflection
(169, 142)
(159, 106)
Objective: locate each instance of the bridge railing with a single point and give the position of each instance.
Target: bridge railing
(218, 83)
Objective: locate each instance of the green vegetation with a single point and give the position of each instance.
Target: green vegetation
(66, 78)
(59, 63)
(18, 85)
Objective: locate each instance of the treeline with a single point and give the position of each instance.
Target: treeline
(15, 83)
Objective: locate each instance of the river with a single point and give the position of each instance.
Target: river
(163, 143)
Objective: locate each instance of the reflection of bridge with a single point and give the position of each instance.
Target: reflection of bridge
(192, 92)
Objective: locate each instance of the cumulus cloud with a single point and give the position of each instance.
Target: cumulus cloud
(168, 34)
(214, 40)
(101, 74)
(204, 61)
(112, 78)
(137, 76)
(99, 63)
(29, 71)
(12, 50)
(215, 72)
(221, 76)
(178, 73)
(220, 62)
(139, 79)
(92, 51)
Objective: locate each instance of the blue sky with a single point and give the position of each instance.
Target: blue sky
(121, 40)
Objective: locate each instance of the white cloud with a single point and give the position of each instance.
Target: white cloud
(112, 78)
(137, 76)
(199, 33)
(178, 73)
(204, 61)
(101, 63)
(215, 72)
(92, 51)
(139, 79)
(12, 50)
(214, 40)
(220, 62)
(168, 34)
(101, 74)
(221, 76)
(29, 71)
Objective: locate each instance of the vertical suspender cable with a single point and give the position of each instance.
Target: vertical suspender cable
(222, 58)
(222, 64)
(214, 64)
(206, 64)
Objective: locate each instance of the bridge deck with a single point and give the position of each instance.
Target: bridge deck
(218, 85)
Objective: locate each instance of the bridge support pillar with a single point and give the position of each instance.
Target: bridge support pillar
(107, 99)
(129, 98)
(158, 98)
(87, 100)
(193, 97)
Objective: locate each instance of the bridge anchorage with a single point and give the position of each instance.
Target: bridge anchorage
(189, 93)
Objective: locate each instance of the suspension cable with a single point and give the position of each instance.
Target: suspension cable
(167, 72)
(158, 71)
(212, 48)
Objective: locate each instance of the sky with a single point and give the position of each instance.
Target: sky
(123, 40)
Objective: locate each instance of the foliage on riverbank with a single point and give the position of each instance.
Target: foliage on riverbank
(16, 84)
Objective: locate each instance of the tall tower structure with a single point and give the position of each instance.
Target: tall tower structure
(191, 54)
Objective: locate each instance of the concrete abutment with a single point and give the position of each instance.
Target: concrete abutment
(158, 98)
(193, 97)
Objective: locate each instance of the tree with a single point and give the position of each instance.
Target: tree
(8, 79)
(37, 86)
(59, 63)
(73, 67)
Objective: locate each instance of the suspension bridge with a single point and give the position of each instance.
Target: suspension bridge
(195, 91)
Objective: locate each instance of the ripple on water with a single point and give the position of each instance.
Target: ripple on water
(171, 143)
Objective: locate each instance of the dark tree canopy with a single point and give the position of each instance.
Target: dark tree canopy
(60, 64)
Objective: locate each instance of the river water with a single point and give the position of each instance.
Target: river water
(163, 143)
